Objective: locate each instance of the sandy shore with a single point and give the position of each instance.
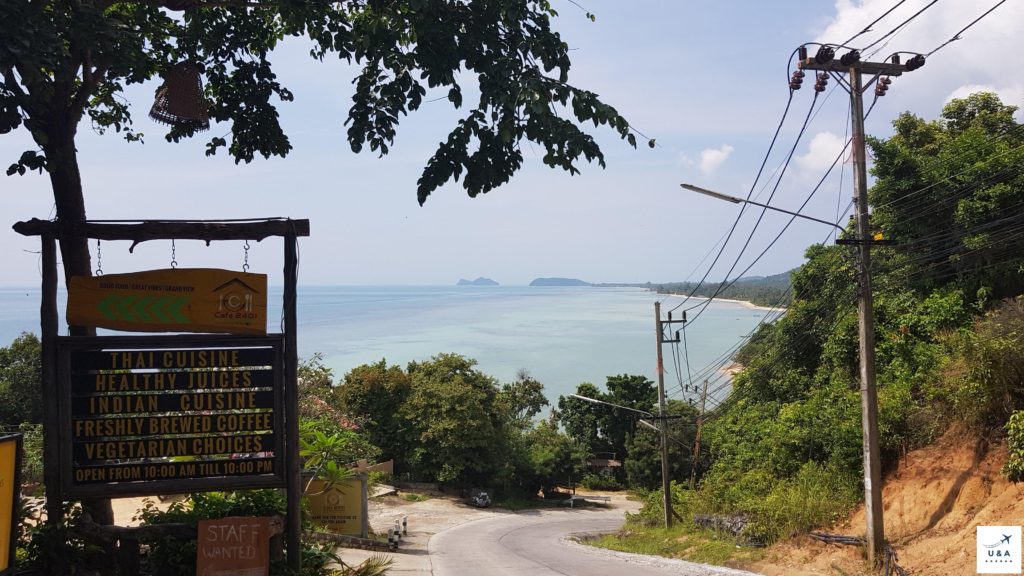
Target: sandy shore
(744, 303)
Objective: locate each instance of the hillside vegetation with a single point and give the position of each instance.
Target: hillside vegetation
(786, 445)
(771, 290)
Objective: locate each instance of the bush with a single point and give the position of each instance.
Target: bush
(174, 557)
(600, 482)
(1014, 467)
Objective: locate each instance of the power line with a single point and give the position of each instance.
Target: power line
(876, 21)
(965, 28)
(900, 26)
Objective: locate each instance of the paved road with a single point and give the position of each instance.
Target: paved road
(534, 543)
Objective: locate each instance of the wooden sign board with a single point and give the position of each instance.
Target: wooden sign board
(233, 546)
(170, 414)
(171, 300)
(341, 508)
(10, 493)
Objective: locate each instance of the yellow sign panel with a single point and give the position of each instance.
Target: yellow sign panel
(171, 300)
(341, 508)
(8, 489)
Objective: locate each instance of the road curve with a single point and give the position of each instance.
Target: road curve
(535, 543)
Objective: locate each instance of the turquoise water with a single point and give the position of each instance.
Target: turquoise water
(562, 336)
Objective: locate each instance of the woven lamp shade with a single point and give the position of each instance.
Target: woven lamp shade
(179, 101)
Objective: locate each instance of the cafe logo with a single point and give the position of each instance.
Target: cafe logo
(235, 300)
(999, 549)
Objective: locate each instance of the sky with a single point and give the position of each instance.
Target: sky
(706, 80)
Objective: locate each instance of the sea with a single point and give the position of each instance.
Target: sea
(562, 336)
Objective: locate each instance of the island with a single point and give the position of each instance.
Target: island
(481, 281)
(559, 282)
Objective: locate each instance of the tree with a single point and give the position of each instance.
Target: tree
(643, 462)
(523, 399)
(374, 395)
(61, 62)
(603, 428)
(951, 191)
(457, 428)
(554, 458)
(21, 398)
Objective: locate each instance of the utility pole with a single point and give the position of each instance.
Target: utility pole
(851, 65)
(666, 483)
(696, 442)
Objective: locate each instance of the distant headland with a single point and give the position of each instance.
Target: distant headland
(559, 282)
(481, 281)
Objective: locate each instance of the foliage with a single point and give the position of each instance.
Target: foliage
(786, 446)
(555, 459)
(455, 422)
(983, 376)
(952, 191)
(32, 455)
(1014, 467)
(53, 549)
(21, 394)
(763, 291)
(177, 557)
(171, 556)
(603, 428)
(373, 394)
(523, 398)
(643, 456)
(64, 62)
(601, 482)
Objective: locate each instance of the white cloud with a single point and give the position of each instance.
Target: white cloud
(977, 60)
(1008, 94)
(821, 152)
(712, 158)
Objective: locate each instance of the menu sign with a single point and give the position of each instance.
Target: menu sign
(144, 409)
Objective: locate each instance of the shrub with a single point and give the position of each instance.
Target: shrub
(600, 482)
(1014, 467)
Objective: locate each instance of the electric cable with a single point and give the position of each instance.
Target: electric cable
(964, 29)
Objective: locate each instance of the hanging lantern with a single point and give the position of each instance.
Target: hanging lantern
(179, 101)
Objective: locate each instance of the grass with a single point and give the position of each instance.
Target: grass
(413, 497)
(696, 546)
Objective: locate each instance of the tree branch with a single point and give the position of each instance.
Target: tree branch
(12, 83)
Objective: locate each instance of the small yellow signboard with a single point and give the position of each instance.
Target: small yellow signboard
(9, 492)
(171, 300)
(341, 507)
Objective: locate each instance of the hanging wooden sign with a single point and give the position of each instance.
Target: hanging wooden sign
(171, 300)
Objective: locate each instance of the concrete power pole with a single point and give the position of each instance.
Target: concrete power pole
(666, 484)
(851, 65)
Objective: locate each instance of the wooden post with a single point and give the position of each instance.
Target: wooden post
(51, 409)
(293, 526)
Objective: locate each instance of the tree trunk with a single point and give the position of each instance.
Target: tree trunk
(70, 202)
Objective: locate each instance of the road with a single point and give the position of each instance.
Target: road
(534, 543)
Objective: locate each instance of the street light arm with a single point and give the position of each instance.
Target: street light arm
(596, 401)
(736, 200)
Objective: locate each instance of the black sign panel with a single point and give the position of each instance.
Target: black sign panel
(166, 414)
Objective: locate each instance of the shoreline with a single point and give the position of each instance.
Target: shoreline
(745, 303)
